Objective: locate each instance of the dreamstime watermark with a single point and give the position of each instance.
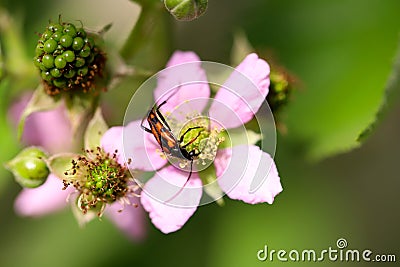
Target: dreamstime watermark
(338, 253)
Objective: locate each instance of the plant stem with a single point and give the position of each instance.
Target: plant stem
(148, 18)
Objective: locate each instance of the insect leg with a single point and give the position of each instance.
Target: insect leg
(196, 154)
(142, 125)
(194, 139)
(157, 110)
(188, 130)
(161, 116)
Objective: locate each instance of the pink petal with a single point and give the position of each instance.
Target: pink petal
(129, 219)
(182, 99)
(45, 199)
(133, 142)
(181, 57)
(111, 141)
(257, 182)
(48, 129)
(166, 186)
(243, 93)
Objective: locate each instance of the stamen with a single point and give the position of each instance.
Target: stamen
(204, 139)
(101, 180)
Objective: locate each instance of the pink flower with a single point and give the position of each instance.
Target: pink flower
(47, 129)
(56, 138)
(47, 198)
(51, 131)
(244, 172)
(50, 198)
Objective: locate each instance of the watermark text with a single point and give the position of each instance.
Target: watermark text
(338, 253)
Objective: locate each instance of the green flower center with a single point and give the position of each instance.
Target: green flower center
(101, 180)
(198, 136)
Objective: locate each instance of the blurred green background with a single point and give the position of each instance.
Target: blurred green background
(342, 52)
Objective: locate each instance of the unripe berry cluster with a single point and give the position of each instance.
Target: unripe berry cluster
(68, 58)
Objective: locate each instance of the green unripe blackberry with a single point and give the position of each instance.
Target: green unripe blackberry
(55, 27)
(66, 40)
(70, 30)
(37, 61)
(85, 51)
(78, 43)
(60, 83)
(57, 36)
(48, 61)
(70, 73)
(56, 73)
(50, 45)
(79, 62)
(60, 62)
(46, 35)
(89, 41)
(81, 32)
(46, 75)
(39, 49)
(69, 58)
(83, 71)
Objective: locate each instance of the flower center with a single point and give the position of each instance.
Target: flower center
(101, 180)
(199, 137)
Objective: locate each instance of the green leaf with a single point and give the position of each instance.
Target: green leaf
(80, 108)
(209, 179)
(61, 165)
(391, 92)
(342, 70)
(40, 101)
(95, 130)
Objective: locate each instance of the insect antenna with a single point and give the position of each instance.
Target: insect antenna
(184, 185)
(174, 91)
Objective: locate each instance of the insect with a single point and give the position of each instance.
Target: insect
(169, 144)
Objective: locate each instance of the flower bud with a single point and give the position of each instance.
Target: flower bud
(280, 89)
(29, 167)
(186, 10)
